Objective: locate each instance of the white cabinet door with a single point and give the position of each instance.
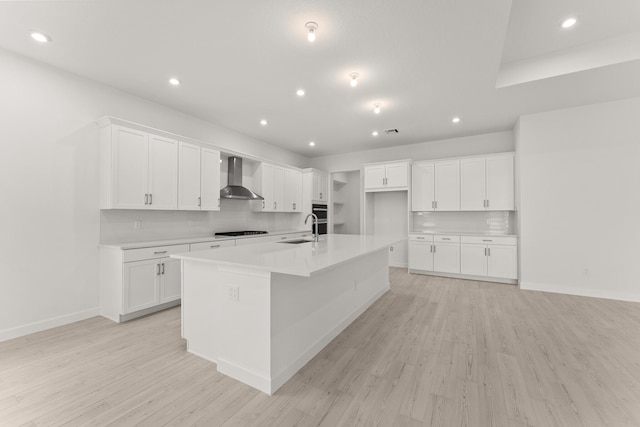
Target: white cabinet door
(422, 186)
(447, 186)
(397, 175)
(420, 256)
(374, 177)
(297, 191)
(446, 257)
(163, 173)
(169, 280)
(502, 261)
(130, 165)
(473, 184)
(320, 186)
(292, 190)
(266, 187)
(278, 189)
(189, 177)
(473, 259)
(500, 183)
(140, 288)
(209, 179)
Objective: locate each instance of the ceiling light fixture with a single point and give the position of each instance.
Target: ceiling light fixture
(569, 22)
(455, 120)
(174, 81)
(374, 133)
(376, 108)
(312, 144)
(354, 79)
(263, 122)
(40, 37)
(300, 92)
(311, 27)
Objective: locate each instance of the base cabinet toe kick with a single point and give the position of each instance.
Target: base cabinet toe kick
(261, 327)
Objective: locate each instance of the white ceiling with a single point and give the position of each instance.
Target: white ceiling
(426, 61)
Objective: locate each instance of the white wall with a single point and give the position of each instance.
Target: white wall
(50, 219)
(490, 143)
(579, 200)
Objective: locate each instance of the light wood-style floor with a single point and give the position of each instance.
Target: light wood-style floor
(433, 351)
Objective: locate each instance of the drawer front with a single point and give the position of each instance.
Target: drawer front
(443, 238)
(130, 255)
(204, 246)
(490, 240)
(421, 237)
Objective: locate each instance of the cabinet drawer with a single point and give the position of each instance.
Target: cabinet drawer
(490, 240)
(421, 237)
(153, 252)
(214, 244)
(443, 238)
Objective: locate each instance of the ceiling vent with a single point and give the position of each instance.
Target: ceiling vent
(391, 131)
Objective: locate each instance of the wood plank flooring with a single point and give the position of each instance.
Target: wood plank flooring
(432, 351)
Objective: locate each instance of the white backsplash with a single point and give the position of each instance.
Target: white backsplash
(492, 222)
(119, 225)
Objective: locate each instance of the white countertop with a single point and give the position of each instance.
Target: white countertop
(185, 240)
(295, 259)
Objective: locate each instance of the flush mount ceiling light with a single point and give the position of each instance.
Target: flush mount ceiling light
(40, 37)
(311, 27)
(455, 120)
(174, 81)
(312, 144)
(374, 133)
(300, 92)
(354, 79)
(569, 22)
(263, 122)
(376, 108)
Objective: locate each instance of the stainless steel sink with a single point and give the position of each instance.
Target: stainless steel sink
(296, 241)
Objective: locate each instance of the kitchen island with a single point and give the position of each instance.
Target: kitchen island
(261, 312)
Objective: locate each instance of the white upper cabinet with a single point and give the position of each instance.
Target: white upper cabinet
(435, 186)
(487, 183)
(320, 186)
(138, 170)
(292, 190)
(198, 178)
(386, 177)
(280, 187)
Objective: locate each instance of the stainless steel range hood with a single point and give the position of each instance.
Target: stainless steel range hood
(235, 190)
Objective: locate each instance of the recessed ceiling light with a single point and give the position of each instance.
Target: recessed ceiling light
(174, 81)
(569, 22)
(455, 120)
(354, 79)
(300, 92)
(263, 122)
(374, 133)
(311, 28)
(40, 37)
(312, 144)
(376, 108)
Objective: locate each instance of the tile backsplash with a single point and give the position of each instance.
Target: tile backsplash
(120, 225)
(491, 222)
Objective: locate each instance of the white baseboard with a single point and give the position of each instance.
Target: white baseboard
(594, 293)
(42, 325)
(284, 376)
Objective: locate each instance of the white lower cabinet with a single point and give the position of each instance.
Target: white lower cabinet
(434, 253)
(489, 256)
(421, 253)
(135, 282)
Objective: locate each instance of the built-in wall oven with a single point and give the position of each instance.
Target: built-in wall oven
(321, 212)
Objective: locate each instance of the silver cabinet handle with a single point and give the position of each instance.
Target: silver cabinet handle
(436, 203)
(274, 205)
(218, 201)
(487, 202)
(294, 206)
(163, 268)
(320, 196)
(434, 248)
(199, 201)
(263, 204)
(488, 251)
(150, 198)
(157, 269)
(214, 246)
(446, 238)
(485, 251)
(146, 199)
(420, 238)
(487, 240)
(160, 252)
(283, 238)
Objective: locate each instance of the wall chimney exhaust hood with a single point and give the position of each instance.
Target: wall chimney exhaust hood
(235, 190)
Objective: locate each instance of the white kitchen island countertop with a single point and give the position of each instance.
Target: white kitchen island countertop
(303, 259)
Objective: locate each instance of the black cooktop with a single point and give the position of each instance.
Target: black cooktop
(239, 233)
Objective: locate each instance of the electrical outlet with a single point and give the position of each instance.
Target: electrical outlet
(234, 293)
(137, 224)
